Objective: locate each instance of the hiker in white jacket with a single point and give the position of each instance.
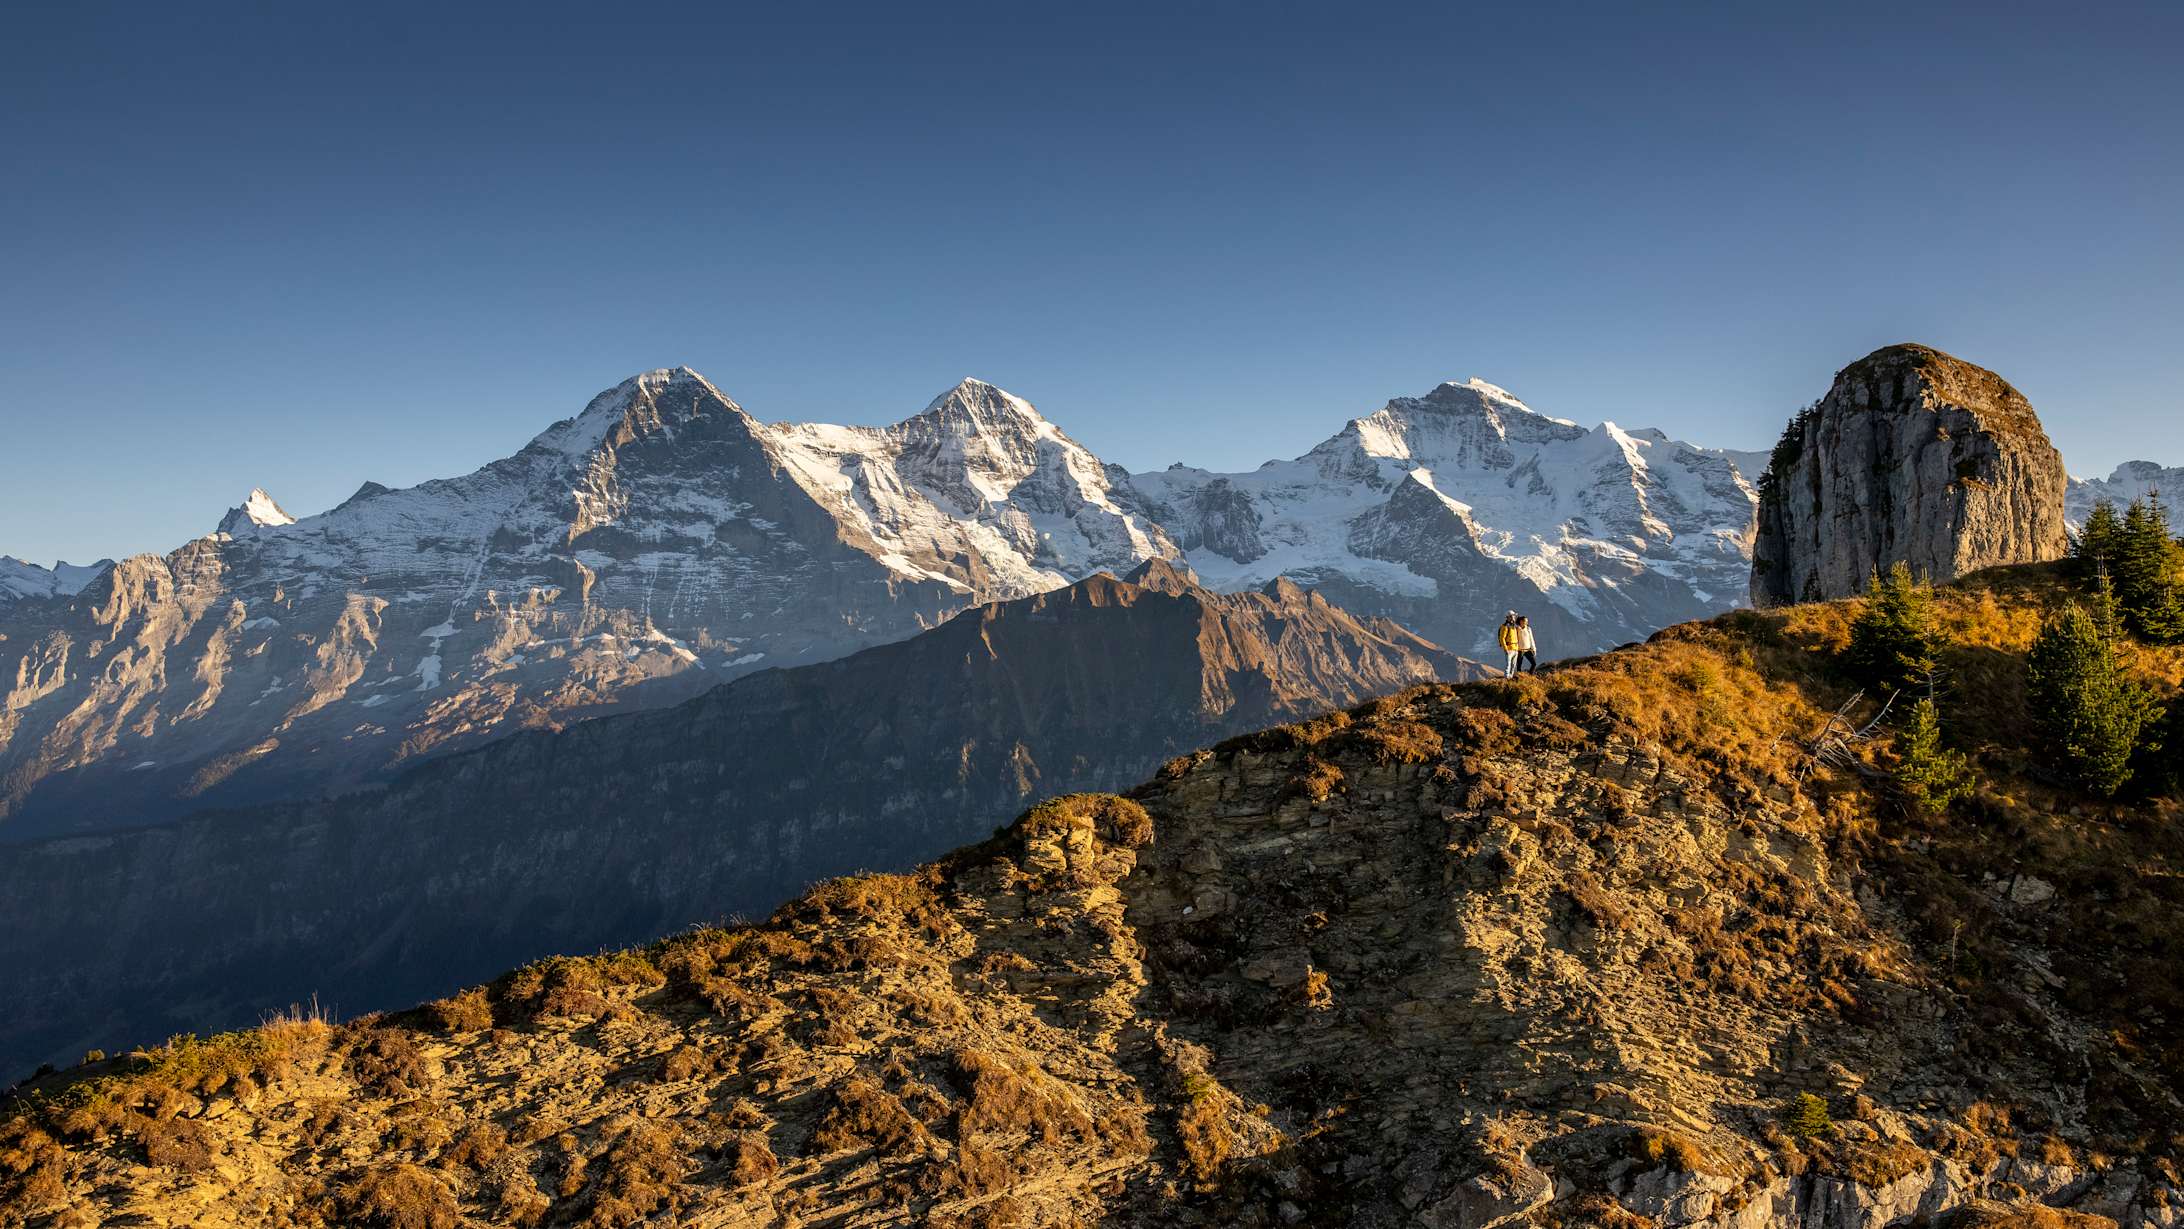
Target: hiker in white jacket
(1527, 648)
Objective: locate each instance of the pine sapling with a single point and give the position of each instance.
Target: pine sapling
(2090, 712)
(1806, 1117)
(1930, 774)
(1892, 639)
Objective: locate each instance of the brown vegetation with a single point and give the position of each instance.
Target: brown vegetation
(1528, 923)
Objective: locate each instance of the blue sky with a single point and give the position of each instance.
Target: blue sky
(299, 247)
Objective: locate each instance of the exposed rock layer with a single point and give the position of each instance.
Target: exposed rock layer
(1912, 457)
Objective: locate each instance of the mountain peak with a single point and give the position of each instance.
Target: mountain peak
(261, 508)
(1484, 389)
(1476, 395)
(664, 394)
(257, 511)
(976, 404)
(1164, 575)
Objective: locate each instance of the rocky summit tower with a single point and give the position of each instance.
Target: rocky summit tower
(1913, 456)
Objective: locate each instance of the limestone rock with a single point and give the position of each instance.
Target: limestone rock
(1914, 457)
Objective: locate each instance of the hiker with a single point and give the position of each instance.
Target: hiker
(1509, 640)
(1527, 653)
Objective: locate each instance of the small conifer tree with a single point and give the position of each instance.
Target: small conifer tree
(2160, 763)
(2090, 712)
(1891, 641)
(1806, 1117)
(1931, 775)
(2095, 546)
(2146, 567)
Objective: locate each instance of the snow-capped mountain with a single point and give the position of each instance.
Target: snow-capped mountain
(258, 511)
(978, 476)
(664, 541)
(1443, 511)
(20, 579)
(658, 543)
(2131, 480)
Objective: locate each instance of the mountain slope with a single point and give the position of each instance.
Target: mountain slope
(1553, 952)
(621, 828)
(657, 544)
(1441, 511)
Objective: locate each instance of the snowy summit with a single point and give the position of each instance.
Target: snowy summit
(258, 511)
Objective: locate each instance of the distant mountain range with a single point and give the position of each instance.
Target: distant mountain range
(659, 543)
(1444, 510)
(664, 541)
(622, 828)
(2131, 480)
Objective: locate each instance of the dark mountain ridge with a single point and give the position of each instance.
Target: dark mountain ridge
(625, 827)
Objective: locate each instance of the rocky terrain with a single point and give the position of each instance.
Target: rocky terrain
(1442, 511)
(620, 829)
(1915, 457)
(1622, 945)
(659, 543)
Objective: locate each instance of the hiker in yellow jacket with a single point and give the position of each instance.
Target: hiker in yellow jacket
(1510, 639)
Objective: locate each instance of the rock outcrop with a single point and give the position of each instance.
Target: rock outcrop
(1913, 457)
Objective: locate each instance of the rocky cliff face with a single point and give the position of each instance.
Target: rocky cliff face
(1552, 953)
(626, 827)
(1912, 457)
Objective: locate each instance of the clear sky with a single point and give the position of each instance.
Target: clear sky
(304, 245)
